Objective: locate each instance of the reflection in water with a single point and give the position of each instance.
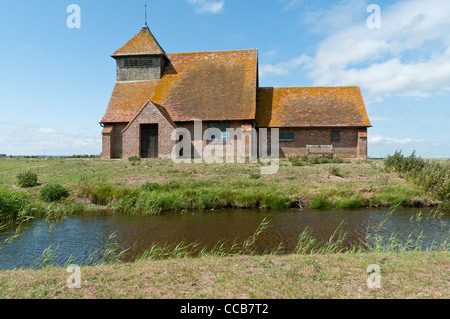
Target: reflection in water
(77, 237)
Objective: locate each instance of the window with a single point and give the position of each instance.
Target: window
(286, 137)
(224, 128)
(138, 62)
(335, 136)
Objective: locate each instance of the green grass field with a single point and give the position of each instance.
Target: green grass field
(96, 184)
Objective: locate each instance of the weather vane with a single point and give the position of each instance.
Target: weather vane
(145, 14)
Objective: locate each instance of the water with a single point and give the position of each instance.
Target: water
(80, 236)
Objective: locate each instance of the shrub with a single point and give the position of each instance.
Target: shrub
(399, 163)
(135, 160)
(53, 193)
(255, 176)
(102, 194)
(27, 179)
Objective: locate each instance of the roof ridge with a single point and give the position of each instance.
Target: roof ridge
(218, 51)
(309, 87)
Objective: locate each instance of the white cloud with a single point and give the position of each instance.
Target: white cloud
(291, 4)
(380, 60)
(283, 68)
(408, 56)
(334, 16)
(34, 140)
(208, 6)
(378, 139)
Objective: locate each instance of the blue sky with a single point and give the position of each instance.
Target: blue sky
(55, 82)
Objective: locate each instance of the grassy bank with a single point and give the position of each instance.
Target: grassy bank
(153, 186)
(404, 275)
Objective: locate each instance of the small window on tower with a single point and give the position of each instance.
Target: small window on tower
(138, 63)
(148, 63)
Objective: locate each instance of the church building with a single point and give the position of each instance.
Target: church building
(157, 92)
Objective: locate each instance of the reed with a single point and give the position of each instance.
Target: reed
(431, 175)
(13, 205)
(249, 244)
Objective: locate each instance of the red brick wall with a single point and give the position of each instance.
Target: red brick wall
(106, 146)
(116, 137)
(347, 147)
(112, 142)
(352, 143)
(199, 145)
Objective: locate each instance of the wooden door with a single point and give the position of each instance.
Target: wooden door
(149, 141)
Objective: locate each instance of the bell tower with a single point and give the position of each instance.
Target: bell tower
(141, 58)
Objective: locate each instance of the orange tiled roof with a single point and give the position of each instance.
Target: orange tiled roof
(143, 43)
(195, 86)
(311, 107)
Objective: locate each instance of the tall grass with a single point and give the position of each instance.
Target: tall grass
(309, 244)
(13, 203)
(153, 198)
(430, 175)
(321, 202)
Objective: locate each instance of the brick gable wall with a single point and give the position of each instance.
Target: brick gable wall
(150, 114)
